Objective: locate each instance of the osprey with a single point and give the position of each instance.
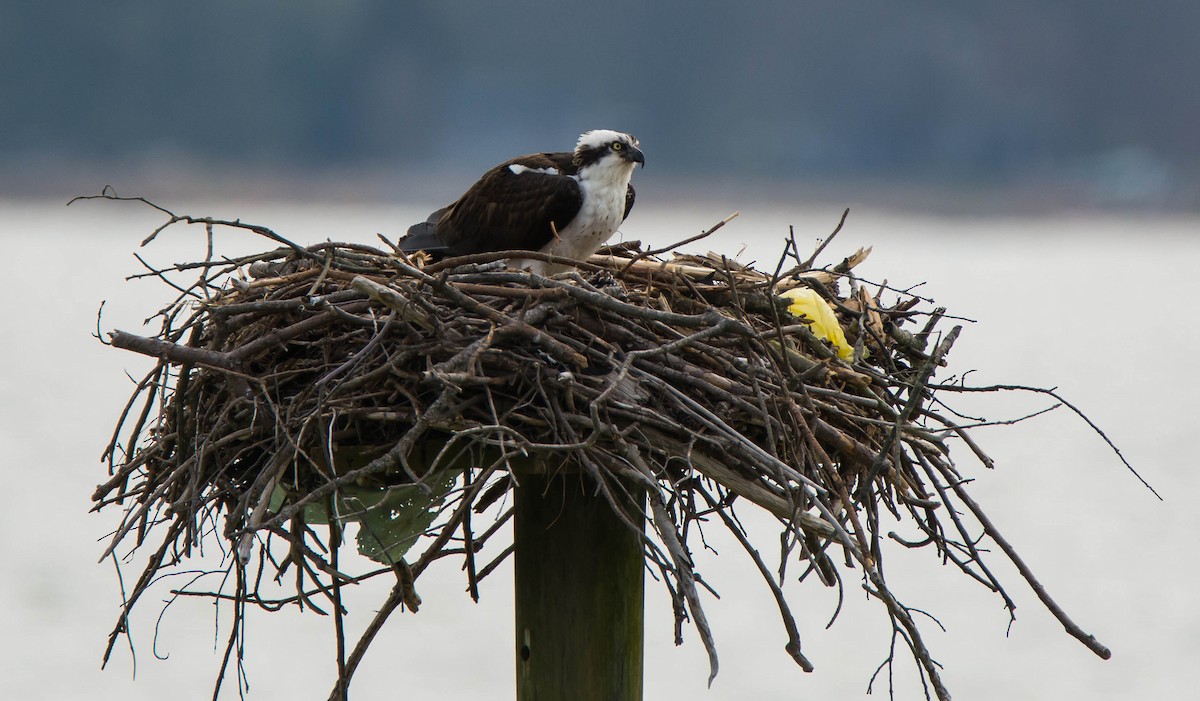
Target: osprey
(564, 203)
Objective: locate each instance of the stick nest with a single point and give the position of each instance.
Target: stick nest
(340, 383)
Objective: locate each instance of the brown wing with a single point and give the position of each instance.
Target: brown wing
(509, 210)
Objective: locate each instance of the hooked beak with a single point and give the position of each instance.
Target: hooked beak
(634, 154)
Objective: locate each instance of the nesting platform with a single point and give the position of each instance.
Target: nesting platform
(343, 383)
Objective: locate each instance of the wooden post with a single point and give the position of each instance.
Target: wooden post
(579, 592)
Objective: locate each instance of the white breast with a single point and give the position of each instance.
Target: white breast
(603, 187)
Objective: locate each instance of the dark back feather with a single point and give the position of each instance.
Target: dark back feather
(506, 210)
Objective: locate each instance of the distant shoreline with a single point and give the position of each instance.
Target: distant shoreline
(367, 184)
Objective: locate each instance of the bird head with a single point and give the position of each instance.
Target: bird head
(606, 147)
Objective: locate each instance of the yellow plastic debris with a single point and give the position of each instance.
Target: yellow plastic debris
(807, 303)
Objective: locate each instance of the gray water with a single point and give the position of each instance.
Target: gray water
(1101, 307)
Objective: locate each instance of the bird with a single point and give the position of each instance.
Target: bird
(565, 203)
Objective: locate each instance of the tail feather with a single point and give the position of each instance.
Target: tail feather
(423, 236)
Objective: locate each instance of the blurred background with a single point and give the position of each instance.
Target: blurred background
(1035, 167)
(1072, 101)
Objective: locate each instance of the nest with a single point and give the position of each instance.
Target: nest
(341, 382)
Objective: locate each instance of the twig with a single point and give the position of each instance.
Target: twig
(691, 239)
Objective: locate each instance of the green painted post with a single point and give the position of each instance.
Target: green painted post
(579, 592)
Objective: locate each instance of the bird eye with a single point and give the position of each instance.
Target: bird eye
(617, 145)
